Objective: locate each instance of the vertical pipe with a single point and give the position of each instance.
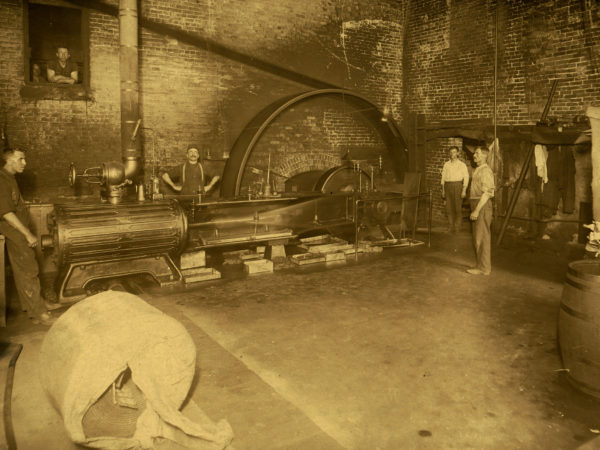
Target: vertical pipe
(495, 76)
(430, 218)
(495, 114)
(128, 64)
(414, 230)
(356, 228)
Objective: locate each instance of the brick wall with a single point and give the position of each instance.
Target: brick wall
(55, 132)
(427, 56)
(449, 66)
(189, 94)
(314, 135)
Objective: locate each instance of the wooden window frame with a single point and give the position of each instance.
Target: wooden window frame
(53, 91)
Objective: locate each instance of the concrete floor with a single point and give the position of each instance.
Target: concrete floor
(398, 350)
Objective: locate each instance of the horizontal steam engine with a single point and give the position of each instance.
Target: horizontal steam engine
(139, 235)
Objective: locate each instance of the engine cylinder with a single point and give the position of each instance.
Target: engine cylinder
(95, 232)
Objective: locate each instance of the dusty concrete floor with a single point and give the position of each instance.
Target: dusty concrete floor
(398, 350)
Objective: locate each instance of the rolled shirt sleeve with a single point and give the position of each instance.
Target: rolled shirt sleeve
(487, 181)
(482, 182)
(7, 204)
(5, 207)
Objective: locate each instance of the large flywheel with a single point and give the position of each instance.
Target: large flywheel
(235, 168)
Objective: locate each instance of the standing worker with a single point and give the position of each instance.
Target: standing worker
(455, 179)
(190, 175)
(481, 195)
(20, 241)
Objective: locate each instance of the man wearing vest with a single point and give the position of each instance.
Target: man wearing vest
(190, 175)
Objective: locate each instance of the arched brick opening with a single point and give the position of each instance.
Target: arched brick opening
(383, 126)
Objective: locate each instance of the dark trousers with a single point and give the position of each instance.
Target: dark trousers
(482, 238)
(25, 272)
(453, 190)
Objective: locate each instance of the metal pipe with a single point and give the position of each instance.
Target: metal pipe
(529, 219)
(495, 75)
(495, 114)
(356, 201)
(414, 229)
(128, 66)
(430, 218)
(524, 169)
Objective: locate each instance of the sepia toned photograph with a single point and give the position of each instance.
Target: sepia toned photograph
(300, 224)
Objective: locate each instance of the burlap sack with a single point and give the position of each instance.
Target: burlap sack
(110, 334)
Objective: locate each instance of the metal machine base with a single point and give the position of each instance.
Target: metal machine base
(73, 280)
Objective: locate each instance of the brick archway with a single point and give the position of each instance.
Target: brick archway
(302, 162)
(248, 138)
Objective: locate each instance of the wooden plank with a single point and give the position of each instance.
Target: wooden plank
(594, 114)
(195, 275)
(258, 266)
(335, 256)
(191, 260)
(307, 258)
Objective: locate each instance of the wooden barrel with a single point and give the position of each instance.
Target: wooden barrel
(579, 325)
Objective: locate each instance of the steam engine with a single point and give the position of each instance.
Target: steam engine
(127, 233)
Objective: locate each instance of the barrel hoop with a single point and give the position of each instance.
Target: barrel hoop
(577, 273)
(577, 314)
(582, 287)
(585, 386)
(585, 361)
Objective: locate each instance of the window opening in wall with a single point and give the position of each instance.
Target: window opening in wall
(57, 40)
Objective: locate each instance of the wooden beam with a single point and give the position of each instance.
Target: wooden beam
(593, 112)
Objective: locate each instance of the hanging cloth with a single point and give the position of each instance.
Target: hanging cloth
(541, 157)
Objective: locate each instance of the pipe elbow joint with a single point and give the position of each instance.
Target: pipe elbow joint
(131, 166)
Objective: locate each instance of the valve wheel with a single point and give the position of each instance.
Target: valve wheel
(72, 175)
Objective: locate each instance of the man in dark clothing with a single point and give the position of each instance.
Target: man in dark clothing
(20, 241)
(62, 70)
(190, 175)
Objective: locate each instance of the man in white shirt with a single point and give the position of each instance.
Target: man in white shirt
(455, 179)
